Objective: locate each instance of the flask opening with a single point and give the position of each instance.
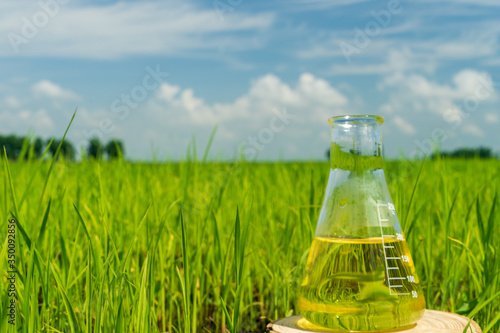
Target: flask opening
(356, 142)
(356, 120)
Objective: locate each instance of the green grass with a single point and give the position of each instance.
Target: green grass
(208, 247)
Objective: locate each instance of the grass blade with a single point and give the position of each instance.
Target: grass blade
(187, 282)
(73, 322)
(413, 192)
(41, 233)
(54, 159)
(209, 144)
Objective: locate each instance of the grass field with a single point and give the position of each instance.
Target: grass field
(204, 247)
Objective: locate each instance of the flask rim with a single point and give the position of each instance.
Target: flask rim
(363, 119)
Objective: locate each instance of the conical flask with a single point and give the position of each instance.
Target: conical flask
(360, 274)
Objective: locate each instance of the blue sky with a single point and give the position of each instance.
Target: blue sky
(268, 73)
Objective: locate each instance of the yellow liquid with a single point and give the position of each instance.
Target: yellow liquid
(346, 285)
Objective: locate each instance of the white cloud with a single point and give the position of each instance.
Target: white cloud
(493, 3)
(23, 121)
(167, 92)
(478, 42)
(12, 102)
(468, 82)
(422, 108)
(492, 62)
(397, 61)
(324, 4)
(392, 50)
(313, 95)
(319, 90)
(174, 113)
(46, 88)
(108, 31)
(383, 56)
(470, 88)
(491, 117)
(404, 126)
(473, 129)
(328, 43)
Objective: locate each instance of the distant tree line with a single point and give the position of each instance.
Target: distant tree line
(18, 147)
(481, 152)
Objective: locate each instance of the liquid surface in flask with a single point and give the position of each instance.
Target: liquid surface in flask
(360, 284)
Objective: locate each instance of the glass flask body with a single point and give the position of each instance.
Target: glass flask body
(359, 274)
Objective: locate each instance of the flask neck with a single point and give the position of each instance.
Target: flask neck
(356, 143)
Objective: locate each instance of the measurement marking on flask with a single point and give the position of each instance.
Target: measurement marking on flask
(398, 236)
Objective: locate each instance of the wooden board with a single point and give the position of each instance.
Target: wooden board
(431, 322)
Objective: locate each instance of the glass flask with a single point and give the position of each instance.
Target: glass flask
(359, 274)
